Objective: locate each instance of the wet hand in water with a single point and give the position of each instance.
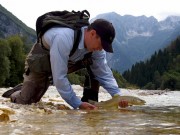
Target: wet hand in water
(87, 106)
(123, 103)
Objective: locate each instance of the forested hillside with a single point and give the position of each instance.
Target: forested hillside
(161, 71)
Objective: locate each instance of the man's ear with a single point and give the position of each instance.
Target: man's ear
(93, 32)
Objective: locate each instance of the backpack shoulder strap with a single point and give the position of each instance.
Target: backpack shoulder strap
(77, 37)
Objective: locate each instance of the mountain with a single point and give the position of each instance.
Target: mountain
(137, 38)
(11, 25)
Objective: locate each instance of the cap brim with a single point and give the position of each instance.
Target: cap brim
(107, 46)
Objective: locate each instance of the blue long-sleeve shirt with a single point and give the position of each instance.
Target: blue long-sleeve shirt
(60, 41)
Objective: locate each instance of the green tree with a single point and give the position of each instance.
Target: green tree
(171, 80)
(5, 64)
(122, 83)
(149, 86)
(27, 44)
(74, 79)
(157, 79)
(17, 59)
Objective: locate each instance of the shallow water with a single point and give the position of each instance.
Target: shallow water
(160, 116)
(130, 121)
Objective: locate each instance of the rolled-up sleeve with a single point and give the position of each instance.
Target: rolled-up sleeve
(103, 73)
(59, 55)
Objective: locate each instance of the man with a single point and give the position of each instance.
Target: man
(96, 39)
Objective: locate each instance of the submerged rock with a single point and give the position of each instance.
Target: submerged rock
(6, 110)
(4, 117)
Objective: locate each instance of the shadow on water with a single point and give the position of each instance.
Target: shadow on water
(135, 120)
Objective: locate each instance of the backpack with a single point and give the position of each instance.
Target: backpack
(74, 20)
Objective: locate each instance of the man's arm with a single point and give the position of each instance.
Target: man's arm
(103, 73)
(61, 42)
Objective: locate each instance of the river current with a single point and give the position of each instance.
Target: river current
(52, 116)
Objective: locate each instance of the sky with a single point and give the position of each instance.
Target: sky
(28, 10)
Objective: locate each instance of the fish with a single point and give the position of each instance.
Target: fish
(114, 102)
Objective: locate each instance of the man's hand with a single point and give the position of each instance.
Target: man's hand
(87, 106)
(123, 103)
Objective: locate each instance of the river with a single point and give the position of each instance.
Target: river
(52, 116)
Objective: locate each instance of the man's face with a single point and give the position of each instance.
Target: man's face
(94, 41)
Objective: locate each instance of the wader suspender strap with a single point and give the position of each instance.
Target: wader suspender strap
(77, 37)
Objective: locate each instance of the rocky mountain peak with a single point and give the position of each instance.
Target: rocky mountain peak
(138, 37)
